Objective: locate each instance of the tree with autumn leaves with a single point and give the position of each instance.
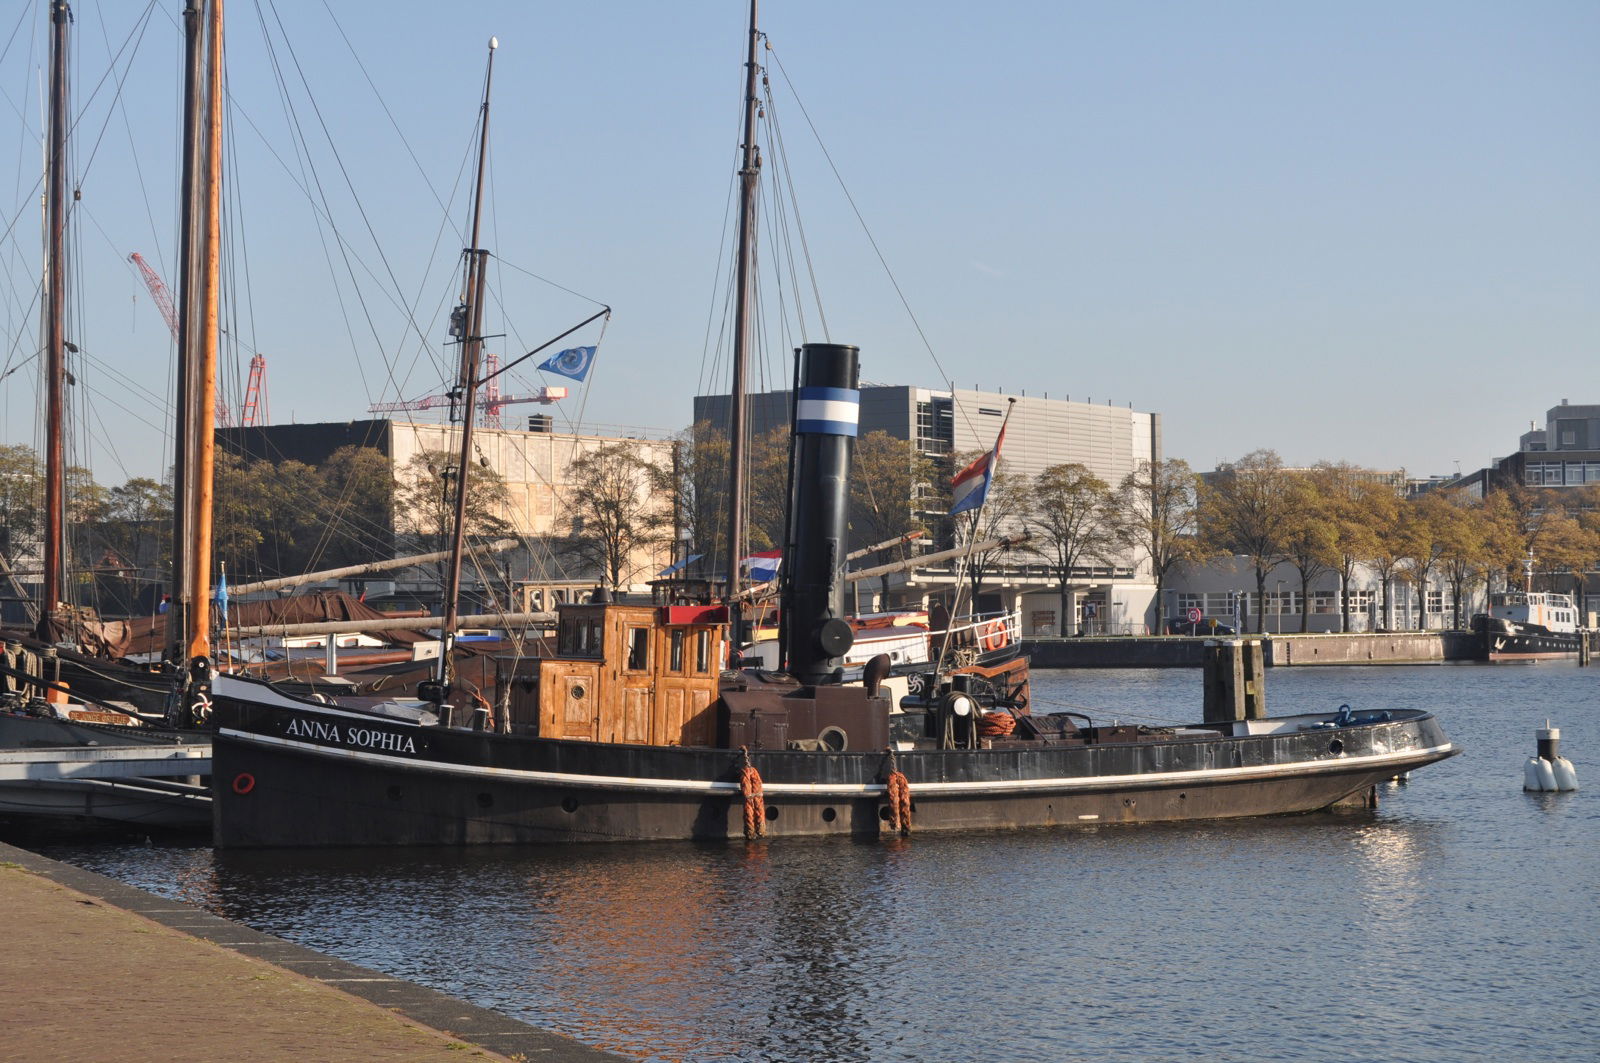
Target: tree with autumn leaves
(1337, 517)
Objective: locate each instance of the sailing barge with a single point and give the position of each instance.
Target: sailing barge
(631, 731)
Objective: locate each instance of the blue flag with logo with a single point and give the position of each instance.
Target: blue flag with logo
(573, 362)
(220, 596)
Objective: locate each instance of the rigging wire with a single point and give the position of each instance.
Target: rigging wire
(871, 239)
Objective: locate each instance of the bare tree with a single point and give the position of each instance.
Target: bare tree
(1072, 523)
(1157, 516)
(888, 476)
(610, 512)
(697, 485)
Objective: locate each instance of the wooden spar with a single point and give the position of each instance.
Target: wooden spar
(898, 540)
(471, 345)
(1005, 542)
(55, 465)
(394, 623)
(743, 324)
(204, 398)
(498, 546)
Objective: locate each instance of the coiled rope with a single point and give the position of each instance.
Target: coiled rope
(755, 805)
(899, 793)
(996, 724)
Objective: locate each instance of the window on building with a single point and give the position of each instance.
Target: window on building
(1325, 602)
(1435, 601)
(935, 426)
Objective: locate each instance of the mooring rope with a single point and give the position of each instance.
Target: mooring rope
(899, 794)
(755, 805)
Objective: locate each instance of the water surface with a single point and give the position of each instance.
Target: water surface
(1457, 922)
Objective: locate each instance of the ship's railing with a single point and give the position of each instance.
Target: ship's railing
(989, 631)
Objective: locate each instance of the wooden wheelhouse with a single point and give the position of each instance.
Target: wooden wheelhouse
(626, 673)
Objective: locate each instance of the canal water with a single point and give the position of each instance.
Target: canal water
(1457, 922)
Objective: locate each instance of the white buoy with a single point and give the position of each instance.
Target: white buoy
(1549, 770)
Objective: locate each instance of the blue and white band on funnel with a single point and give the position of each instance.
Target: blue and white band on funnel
(828, 411)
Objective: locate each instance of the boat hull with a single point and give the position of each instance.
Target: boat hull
(66, 777)
(1510, 642)
(289, 775)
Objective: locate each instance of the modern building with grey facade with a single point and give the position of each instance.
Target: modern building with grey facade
(1111, 441)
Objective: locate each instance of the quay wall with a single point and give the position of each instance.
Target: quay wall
(1290, 650)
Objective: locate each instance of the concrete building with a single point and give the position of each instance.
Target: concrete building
(533, 464)
(1111, 441)
(1565, 453)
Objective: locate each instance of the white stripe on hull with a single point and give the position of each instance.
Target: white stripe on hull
(1338, 765)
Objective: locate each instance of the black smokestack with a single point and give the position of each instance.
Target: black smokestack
(827, 404)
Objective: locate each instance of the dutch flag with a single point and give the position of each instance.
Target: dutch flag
(970, 486)
(763, 566)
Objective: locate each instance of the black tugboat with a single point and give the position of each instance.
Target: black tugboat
(626, 734)
(632, 730)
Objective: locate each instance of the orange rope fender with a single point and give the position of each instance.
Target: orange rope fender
(899, 793)
(755, 804)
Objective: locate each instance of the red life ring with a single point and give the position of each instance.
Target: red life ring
(243, 783)
(992, 635)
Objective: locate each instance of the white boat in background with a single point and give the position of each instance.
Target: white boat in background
(1529, 626)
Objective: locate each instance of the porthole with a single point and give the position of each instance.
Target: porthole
(883, 813)
(569, 804)
(829, 815)
(578, 692)
(772, 812)
(1336, 747)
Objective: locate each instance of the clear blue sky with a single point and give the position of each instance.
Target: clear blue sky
(1357, 231)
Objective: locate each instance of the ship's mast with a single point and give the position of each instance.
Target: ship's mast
(55, 505)
(476, 262)
(189, 302)
(743, 324)
(189, 619)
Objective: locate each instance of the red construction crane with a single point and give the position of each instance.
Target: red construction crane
(255, 393)
(169, 314)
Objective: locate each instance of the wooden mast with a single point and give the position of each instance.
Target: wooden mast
(188, 308)
(743, 323)
(471, 349)
(204, 396)
(189, 619)
(55, 504)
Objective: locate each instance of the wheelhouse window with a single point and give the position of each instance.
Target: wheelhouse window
(702, 653)
(675, 654)
(638, 649)
(579, 637)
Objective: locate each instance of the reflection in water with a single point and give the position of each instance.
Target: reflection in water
(1403, 933)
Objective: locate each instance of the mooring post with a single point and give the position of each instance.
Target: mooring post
(1585, 647)
(1223, 676)
(1255, 679)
